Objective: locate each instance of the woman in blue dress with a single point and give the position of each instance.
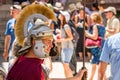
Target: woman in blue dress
(95, 31)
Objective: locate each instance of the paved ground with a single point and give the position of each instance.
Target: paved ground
(1, 58)
(58, 72)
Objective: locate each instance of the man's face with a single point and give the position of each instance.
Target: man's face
(42, 47)
(14, 12)
(48, 43)
(109, 14)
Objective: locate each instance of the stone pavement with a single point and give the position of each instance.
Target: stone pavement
(58, 71)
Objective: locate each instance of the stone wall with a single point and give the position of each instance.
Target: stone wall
(4, 17)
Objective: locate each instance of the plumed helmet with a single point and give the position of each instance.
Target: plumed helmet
(26, 22)
(33, 23)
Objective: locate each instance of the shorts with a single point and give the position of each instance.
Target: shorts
(66, 54)
(95, 55)
(95, 59)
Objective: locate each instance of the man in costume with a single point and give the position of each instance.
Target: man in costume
(33, 45)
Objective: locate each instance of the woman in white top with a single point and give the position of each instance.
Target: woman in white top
(66, 41)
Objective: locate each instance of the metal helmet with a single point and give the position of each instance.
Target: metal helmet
(26, 28)
(38, 33)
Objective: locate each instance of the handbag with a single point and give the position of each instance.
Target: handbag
(90, 42)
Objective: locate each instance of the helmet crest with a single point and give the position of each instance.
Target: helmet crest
(27, 15)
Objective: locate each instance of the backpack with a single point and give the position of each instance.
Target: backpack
(74, 32)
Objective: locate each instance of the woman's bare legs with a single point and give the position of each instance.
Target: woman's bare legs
(68, 72)
(94, 66)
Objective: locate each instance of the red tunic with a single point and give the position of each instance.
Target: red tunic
(26, 69)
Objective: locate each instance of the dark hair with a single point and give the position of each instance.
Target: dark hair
(64, 21)
(95, 5)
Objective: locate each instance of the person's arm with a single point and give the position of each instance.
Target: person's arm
(115, 27)
(6, 46)
(68, 33)
(101, 70)
(77, 77)
(111, 30)
(94, 35)
(88, 22)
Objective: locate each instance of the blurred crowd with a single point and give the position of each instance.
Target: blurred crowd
(94, 22)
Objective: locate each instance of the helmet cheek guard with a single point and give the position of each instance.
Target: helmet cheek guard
(39, 49)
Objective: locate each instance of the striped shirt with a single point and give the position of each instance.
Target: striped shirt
(111, 54)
